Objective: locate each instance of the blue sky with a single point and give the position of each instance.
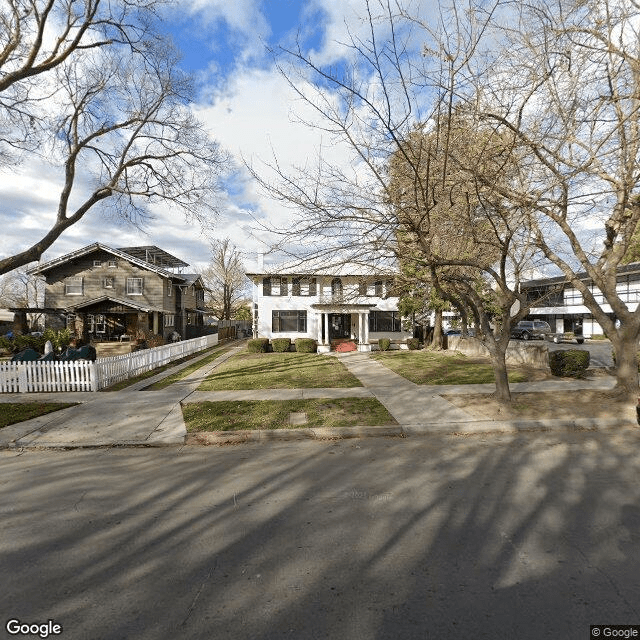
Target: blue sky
(244, 102)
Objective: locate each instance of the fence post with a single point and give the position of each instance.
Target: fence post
(23, 384)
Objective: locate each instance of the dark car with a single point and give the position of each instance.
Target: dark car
(530, 329)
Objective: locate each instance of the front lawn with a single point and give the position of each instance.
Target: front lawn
(274, 414)
(12, 412)
(436, 367)
(279, 371)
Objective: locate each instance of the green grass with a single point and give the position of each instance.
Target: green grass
(12, 412)
(118, 386)
(279, 371)
(274, 414)
(433, 367)
(183, 373)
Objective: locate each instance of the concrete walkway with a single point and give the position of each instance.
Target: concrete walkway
(154, 418)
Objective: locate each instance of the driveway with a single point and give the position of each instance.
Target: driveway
(515, 536)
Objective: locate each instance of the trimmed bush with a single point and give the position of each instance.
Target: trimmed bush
(384, 344)
(258, 345)
(280, 345)
(569, 364)
(305, 345)
(413, 343)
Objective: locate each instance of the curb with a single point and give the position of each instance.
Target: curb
(407, 430)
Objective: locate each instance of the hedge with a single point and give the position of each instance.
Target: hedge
(258, 345)
(569, 364)
(280, 345)
(305, 345)
(384, 344)
(413, 343)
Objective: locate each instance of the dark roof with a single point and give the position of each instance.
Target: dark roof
(154, 255)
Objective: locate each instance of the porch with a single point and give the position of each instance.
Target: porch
(342, 322)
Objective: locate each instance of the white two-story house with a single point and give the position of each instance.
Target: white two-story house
(329, 306)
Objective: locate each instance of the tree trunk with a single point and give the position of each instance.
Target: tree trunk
(497, 353)
(436, 341)
(625, 346)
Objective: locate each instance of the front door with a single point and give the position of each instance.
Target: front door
(339, 326)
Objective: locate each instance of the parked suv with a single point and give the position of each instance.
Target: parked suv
(529, 329)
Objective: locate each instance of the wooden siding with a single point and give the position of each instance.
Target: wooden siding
(154, 285)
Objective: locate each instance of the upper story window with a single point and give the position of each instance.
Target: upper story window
(370, 288)
(134, 286)
(336, 287)
(73, 286)
(274, 286)
(112, 263)
(108, 283)
(97, 263)
(169, 289)
(303, 287)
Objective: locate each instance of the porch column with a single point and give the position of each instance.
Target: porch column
(361, 318)
(320, 320)
(155, 322)
(326, 329)
(366, 328)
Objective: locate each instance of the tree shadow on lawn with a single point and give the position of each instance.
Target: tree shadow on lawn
(528, 536)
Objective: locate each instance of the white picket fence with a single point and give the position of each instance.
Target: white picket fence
(81, 375)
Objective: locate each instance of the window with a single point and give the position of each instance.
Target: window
(134, 286)
(91, 323)
(107, 283)
(384, 321)
(169, 320)
(336, 287)
(71, 321)
(97, 263)
(274, 286)
(169, 289)
(112, 263)
(303, 287)
(73, 286)
(295, 321)
(101, 324)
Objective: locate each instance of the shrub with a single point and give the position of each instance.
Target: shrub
(569, 364)
(384, 344)
(59, 339)
(258, 345)
(280, 345)
(305, 345)
(413, 343)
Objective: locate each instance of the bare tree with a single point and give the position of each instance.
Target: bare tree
(22, 290)
(39, 36)
(118, 123)
(567, 88)
(225, 281)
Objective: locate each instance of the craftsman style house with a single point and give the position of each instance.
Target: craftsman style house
(329, 306)
(110, 294)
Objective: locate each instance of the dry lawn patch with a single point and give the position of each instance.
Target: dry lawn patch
(556, 405)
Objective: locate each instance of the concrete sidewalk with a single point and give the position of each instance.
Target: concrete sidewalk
(133, 417)
(121, 418)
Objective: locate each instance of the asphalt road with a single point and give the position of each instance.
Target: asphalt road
(499, 537)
